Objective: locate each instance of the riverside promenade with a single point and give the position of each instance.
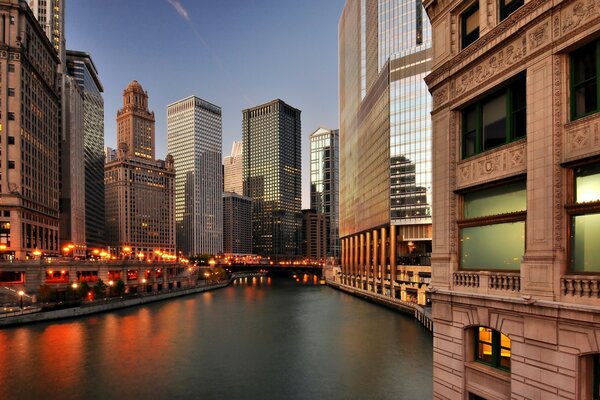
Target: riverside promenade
(115, 303)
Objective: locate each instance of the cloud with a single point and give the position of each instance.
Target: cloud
(180, 9)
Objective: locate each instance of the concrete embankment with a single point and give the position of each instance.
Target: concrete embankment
(109, 305)
(419, 313)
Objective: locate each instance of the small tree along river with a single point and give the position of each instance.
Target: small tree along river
(269, 338)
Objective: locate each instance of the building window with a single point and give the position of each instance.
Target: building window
(492, 231)
(496, 120)
(589, 376)
(11, 165)
(585, 220)
(585, 85)
(11, 116)
(507, 7)
(470, 25)
(11, 140)
(492, 348)
(11, 67)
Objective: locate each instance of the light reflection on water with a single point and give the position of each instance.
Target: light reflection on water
(258, 339)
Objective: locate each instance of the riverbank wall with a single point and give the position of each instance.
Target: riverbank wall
(421, 314)
(117, 303)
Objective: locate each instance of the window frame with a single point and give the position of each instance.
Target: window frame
(496, 349)
(506, 11)
(510, 131)
(574, 115)
(470, 10)
(574, 209)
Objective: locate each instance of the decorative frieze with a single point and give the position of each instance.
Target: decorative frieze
(539, 35)
(508, 161)
(582, 138)
(578, 14)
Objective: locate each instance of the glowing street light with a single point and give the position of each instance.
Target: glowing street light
(110, 285)
(74, 287)
(21, 293)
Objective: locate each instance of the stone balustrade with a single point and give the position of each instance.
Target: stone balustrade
(580, 286)
(488, 282)
(468, 279)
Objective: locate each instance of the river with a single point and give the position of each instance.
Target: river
(269, 338)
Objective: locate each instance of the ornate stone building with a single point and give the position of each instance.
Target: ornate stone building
(140, 192)
(516, 210)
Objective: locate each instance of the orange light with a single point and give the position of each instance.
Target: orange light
(37, 253)
(66, 249)
(21, 293)
(110, 283)
(127, 249)
(74, 285)
(190, 269)
(50, 272)
(62, 272)
(71, 246)
(2, 247)
(96, 251)
(140, 255)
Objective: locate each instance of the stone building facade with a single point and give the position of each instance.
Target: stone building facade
(237, 224)
(314, 239)
(233, 167)
(29, 133)
(516, 208)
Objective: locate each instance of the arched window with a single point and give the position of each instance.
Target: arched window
(492, 348)
(589, 377)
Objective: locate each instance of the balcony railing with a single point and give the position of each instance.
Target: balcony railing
(581, 286)
(487, 282)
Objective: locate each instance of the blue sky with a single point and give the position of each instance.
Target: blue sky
(233, 53)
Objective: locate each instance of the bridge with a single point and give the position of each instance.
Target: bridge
(299, 268)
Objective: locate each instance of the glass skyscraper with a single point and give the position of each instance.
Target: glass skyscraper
(385, 143)
(195, 141)
(325, 183)
(81, 67)
(272, 177)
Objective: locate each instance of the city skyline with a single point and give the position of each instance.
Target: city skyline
(228, 74)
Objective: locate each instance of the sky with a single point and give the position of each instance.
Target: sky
(236, 54)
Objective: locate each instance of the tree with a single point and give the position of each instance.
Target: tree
(119, 287)
(201, 259)
(99, 287)
(83, 290)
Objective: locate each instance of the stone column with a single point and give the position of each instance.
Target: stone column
(375, 259)
(352, 264)
(343, 243)
(393, 259)
(361, 258)
(383, 260)
(356, 261)
(368, 258)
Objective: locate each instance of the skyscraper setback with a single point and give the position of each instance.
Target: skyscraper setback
(272, 177)
(194, 140)
(233, 166)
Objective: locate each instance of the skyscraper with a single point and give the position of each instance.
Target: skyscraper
(81, 67)
(314, 235)
(237, 224)
(139, 191)
(385, 145)
(29, 172)
(325, 183)
(272, 176)
(195, 141)
(51, 16)
(233, 166)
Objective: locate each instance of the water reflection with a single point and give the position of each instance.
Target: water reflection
(259, 339)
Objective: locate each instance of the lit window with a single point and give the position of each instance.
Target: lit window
(492, 233)
(470, 25)
(585, 220)
(492, 348)
(507, 7)
(585, 85)
(496, 120)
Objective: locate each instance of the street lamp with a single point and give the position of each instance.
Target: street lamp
(74, 286)
(21, 293)
(110, 285)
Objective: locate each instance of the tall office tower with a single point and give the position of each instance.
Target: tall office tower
(272, 177)
(51, 16)
(233, 167)
(385, 147)
(237, 224)
(314, 235)
(140, 192)
(325, 183)
(516, 211)
(110, 154)
(72, 181)
(195, 141)
(81, 67)
(30, 140)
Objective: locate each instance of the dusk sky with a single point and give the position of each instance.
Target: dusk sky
(233, 53)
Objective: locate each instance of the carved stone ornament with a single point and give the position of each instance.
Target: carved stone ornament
(579, 13)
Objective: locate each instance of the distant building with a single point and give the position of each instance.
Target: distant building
(233, 167)
(237, 224)
(272, 177)
(51, 16)
(325, 183)
(81, 67)
(110, 155)
(30, 138)
(72, 171)
(140, 192)
(194, 140)
(314, 238)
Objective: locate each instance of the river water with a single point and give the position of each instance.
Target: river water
(269, 338)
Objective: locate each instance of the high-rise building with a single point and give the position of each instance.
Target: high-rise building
(385, 147)
(110, 154)
(72, 174)
(140, 192)
(81, 67)
(195, 141)
(237, 224)
(516, 211)
(314, 235)
(272, 177)
(30, 139)
(325, 183)
(233, 166)
(51, 16)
